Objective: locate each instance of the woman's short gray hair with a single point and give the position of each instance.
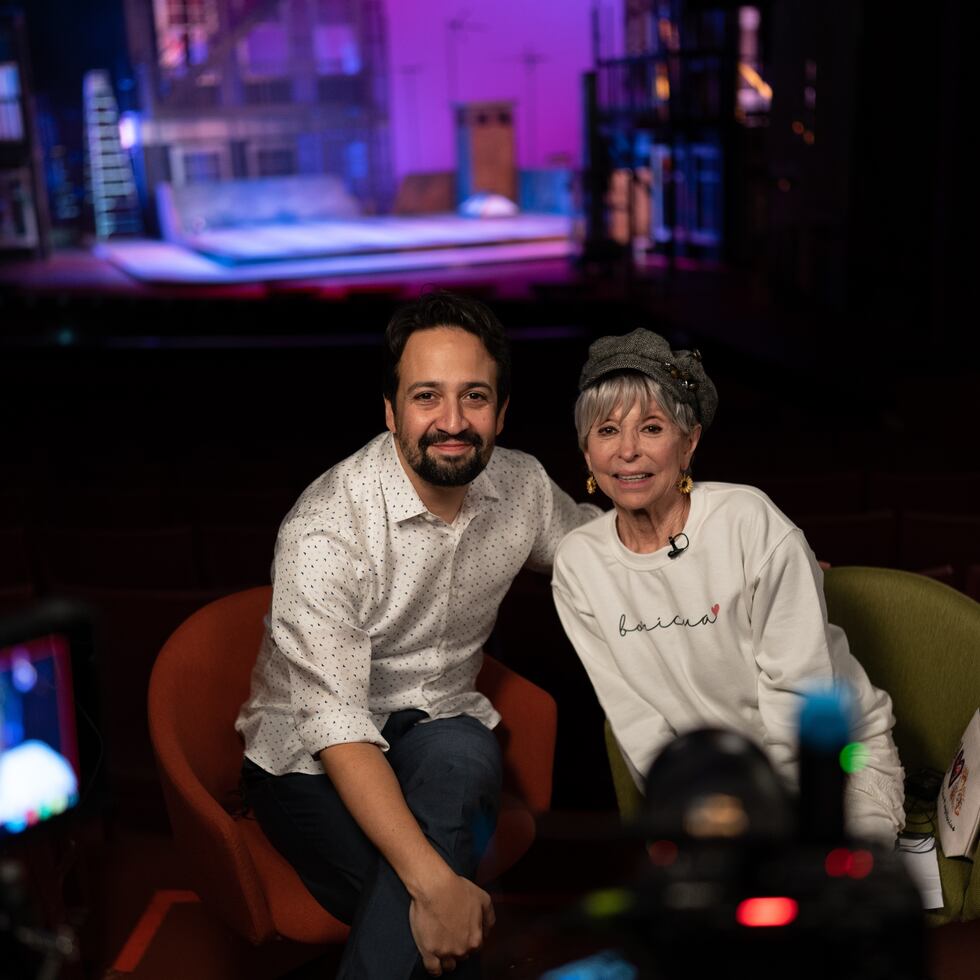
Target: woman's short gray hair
(624, 390)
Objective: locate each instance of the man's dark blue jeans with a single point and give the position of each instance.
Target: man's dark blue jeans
(450, 773)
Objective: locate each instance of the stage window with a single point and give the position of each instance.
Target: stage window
(183, 29)
(273, 91)
(335, 11)
(336, 49)
(278, 162)
(202, 168)
(264, 52)
(340, 88)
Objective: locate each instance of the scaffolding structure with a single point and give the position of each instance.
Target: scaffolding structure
(112, 187)
(667, 128)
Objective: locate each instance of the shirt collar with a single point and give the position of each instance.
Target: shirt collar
(483, 487)
(401, 498)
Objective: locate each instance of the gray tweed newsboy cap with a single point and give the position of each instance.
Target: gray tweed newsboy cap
(678, 371)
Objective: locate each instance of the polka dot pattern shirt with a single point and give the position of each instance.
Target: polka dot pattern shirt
(379, 605)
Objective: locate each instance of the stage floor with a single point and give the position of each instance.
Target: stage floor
(341, 248)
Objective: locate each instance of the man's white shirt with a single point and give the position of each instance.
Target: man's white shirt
(379, 605)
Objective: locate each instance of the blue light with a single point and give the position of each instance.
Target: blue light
(23, 675)
(129, 130)
(826, 717)
(608, 965)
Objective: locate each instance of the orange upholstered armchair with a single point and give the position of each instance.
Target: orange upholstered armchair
(199, 681)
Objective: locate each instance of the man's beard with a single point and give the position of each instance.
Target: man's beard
(449, 471)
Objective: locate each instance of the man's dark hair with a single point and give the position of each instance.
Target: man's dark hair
(441, 308)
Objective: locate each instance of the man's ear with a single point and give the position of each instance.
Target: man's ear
(390, 417)
(501, 414)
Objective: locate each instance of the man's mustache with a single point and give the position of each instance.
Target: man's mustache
(473, 438)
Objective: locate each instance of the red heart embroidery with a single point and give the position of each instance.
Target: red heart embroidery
(714, 609)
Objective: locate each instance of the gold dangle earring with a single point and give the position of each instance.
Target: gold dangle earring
(686, 483)
(590, 485)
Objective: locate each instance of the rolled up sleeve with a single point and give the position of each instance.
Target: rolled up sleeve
(314, 622)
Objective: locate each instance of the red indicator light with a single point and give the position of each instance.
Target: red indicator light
(766, 911)
(839, 862)
(861, 864)
(663, 853)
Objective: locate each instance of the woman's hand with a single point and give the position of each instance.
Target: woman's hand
(449, 920)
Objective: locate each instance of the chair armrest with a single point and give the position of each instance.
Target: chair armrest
(218, 860)
(527, 732)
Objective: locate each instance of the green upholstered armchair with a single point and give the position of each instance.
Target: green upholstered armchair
(920, 641)
(628, 797)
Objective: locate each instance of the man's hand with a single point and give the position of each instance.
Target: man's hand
(449, 921)
(449, 916)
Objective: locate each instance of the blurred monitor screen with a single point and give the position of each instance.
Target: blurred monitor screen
(39, 758)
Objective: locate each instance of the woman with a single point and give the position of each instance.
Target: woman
(697, 605)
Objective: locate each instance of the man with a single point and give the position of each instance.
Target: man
(370, 760)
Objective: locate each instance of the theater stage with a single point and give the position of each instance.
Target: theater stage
(343, 247)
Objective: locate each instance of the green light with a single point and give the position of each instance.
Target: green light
(607, 903)
(853, 757)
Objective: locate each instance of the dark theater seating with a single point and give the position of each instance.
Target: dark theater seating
(953, 493)
(849, 539)
(15, 507)
(131, 625)
(236, 557)
(933, 539)
(16, 599)
(133, 558)
(250, 506)
(15, 557)
(104, 505)
(822, 493)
